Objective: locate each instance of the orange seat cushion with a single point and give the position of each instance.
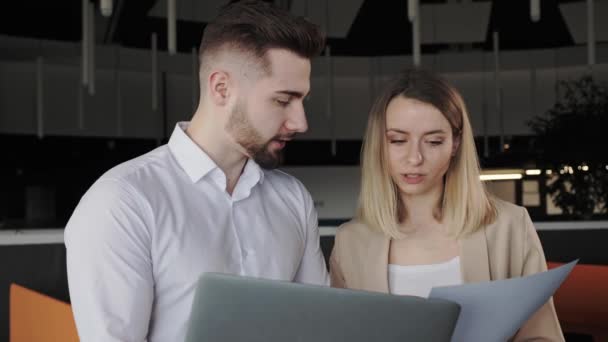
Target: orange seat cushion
(36, 317)
(582, 300)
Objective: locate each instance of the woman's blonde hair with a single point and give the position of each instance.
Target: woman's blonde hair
(465, 206)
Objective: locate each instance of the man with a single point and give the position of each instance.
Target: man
(208, 201)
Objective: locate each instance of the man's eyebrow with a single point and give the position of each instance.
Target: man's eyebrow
(292, 93)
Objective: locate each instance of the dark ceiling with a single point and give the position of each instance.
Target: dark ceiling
(379, 28)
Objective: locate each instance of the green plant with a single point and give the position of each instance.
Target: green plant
(571, 139)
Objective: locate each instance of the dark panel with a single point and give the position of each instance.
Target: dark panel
(327, 243)
(517, 30)
(318, 152)
(66, 166)
(56, 20)
(567, 245)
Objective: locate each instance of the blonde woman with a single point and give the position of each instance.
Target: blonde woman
(425, 218)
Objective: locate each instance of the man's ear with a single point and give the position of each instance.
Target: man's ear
(218, 85)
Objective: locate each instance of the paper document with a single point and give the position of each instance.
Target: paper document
(495, 310)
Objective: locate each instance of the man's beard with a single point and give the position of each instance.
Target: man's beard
(250, 139)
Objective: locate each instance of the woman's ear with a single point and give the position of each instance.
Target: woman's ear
(455, 144)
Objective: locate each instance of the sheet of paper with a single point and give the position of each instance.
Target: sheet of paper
(495, 310)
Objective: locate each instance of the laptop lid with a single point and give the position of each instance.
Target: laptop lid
(231, 308)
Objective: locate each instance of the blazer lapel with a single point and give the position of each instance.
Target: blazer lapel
(474, 259)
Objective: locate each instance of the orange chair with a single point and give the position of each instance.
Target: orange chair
(582, 301)
(35, 317)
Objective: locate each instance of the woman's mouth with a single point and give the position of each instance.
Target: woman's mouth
(413, 178)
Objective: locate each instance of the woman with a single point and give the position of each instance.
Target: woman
(425, 218)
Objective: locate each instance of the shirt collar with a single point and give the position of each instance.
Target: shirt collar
(193, 160)
(252, 173)
(197, 163)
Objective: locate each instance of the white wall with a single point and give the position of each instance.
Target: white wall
(334, 189)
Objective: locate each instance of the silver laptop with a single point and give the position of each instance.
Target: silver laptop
(230, 308)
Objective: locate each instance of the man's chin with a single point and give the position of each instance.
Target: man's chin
(269, 160)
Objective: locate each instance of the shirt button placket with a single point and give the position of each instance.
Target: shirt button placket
(242, 251)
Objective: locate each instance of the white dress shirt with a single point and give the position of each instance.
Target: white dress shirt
(147, 229)
(418, 280)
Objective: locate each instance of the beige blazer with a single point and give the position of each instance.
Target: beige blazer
(507, 248)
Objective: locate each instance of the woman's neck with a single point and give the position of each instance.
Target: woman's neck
(421, 209)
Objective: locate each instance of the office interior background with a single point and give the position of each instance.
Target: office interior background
(86, 85)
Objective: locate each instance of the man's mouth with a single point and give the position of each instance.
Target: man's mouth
(280, 142)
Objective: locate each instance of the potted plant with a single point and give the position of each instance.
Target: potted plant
(572, 141)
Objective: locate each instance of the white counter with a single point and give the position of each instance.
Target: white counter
(55, 235)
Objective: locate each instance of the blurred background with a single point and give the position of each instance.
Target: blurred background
(86, 85)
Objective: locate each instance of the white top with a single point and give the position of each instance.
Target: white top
(418, 280)
(147, 229)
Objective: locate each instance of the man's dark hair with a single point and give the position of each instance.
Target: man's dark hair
(257, 26)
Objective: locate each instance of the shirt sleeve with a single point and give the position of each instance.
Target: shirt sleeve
(109, 265)
(313, 269)
(335, 271)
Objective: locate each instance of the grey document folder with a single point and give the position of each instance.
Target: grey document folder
(494, 311)
(231, 308)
